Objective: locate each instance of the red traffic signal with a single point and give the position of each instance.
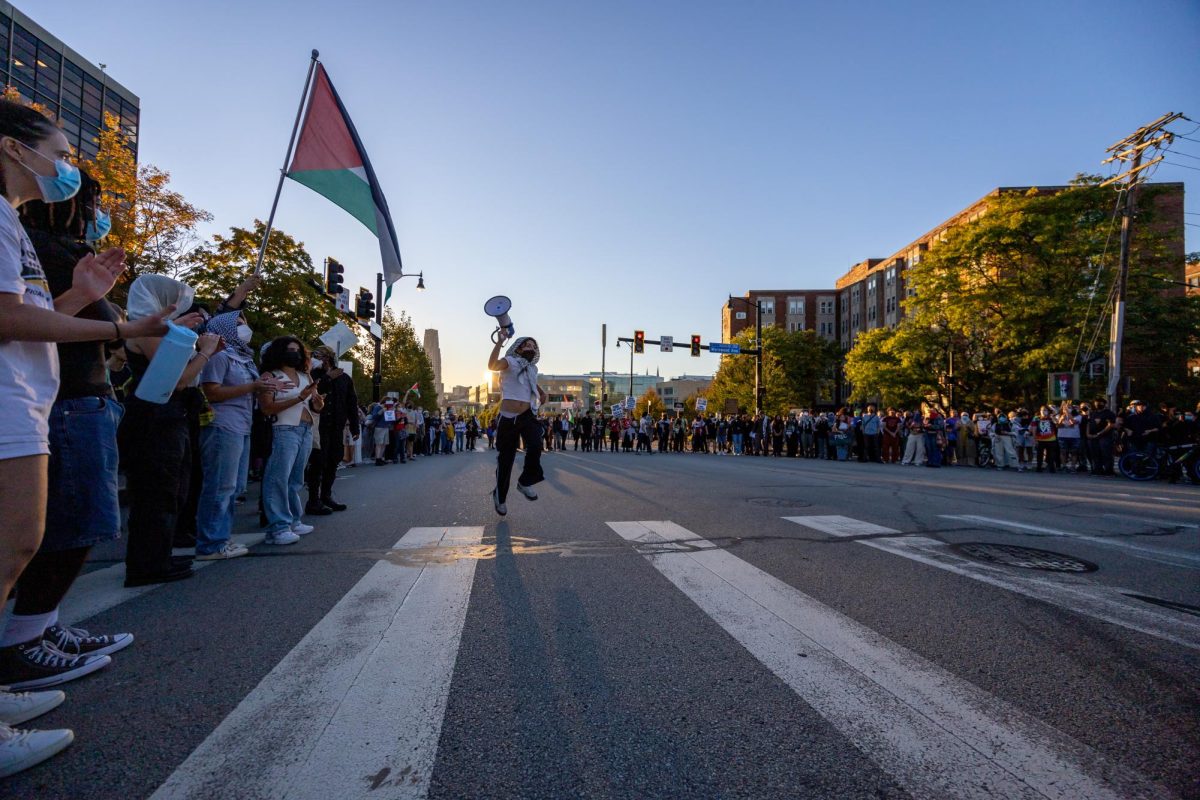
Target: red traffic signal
(333, 277)
(639, 341)
(695, 344)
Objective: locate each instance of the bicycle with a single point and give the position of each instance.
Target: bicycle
(1143, 466)
(983, 452)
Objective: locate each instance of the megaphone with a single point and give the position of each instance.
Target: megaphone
(499, 307)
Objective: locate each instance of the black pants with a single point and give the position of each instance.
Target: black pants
(1049, 452)
(322, 470)
(509, 433)
(873, 443)
(157, 456)
(1100, 455)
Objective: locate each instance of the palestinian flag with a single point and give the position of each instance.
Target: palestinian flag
(330, 160)
(415, 389)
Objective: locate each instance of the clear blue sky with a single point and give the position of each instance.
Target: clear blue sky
(635, 162)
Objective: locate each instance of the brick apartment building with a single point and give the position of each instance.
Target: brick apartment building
(787, 309)
(1192, 279)
(871, 293)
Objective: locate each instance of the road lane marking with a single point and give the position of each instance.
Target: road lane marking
(1174, 558)
(1166, 523)
(937, 735)
(1071, 592)
(356, 708)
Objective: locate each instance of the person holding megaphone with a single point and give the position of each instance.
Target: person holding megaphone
(520, 398)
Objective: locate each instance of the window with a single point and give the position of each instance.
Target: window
(48, 65)
(72, 88)
(826, 306)
(871, 284)
(796, 306)
(740, 315)
(768, 307)
(91, 100)
(24, 56)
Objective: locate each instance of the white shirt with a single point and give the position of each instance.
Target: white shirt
(519, 381)
(292, 415)
(28, 370)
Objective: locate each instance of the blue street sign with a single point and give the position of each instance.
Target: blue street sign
(721, 347)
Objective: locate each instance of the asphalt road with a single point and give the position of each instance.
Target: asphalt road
(679, 626)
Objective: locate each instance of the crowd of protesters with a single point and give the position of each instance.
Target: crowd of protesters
(1077, 438)
(71, 364)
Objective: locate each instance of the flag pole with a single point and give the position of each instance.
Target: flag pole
(262, 250)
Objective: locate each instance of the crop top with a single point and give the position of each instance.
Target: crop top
(519, 381)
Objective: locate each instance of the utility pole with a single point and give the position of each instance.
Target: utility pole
(1131, 150)
(377, 378)
(603, 378)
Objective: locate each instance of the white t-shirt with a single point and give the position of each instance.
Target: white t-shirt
(28, 370)
(293, 415)
(519, 381)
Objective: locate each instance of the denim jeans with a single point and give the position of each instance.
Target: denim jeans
(933, 453)
(243, 473)
(221, 456)
(737, 443)
(82, 507)
(285, 477)
(460, 440)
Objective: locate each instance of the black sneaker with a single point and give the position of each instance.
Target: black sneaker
(78, 642)
(334, 505)
(317, 510)
(37, 664)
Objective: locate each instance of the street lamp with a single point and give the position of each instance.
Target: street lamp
(377, 378)
(758, 341)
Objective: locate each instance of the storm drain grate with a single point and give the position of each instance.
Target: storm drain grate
(1010, 555)
(777, 502)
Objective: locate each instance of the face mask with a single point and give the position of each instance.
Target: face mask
(293, 358)
(98, 228)
(244, 333)
(63, 185)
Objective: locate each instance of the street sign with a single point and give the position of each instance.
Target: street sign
(722, 347)
(631, 402)
(376, 330)
(666, 343)
(343, 301)
(702, 404)
(731, 405)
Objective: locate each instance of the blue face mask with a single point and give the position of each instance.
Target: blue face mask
(63, 185)
(98, 228)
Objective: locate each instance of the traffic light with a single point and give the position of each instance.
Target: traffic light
(364, 306)
(639, 341)
(695, 344)
(333, 277)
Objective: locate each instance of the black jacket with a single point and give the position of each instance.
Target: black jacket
(341, 403)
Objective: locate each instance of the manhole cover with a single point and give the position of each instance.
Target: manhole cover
(777, 502)
(1010, 555)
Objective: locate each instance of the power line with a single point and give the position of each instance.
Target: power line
(1177, 164)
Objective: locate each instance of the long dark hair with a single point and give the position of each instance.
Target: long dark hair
(273, 357)
(22, 123)
(69, 218)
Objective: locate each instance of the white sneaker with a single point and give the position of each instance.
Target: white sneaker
(17, 707)
(228, 550)
(283, 537)
(527, 491)
(20, 750)
(301, 529)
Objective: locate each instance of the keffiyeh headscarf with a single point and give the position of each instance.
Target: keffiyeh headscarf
(226, 325)
(516, 345)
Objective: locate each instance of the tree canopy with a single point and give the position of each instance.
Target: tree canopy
(1023, 290)
(797, 371)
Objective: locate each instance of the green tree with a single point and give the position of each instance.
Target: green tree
(403, 359)
(649, 403)
(797, 371)
(1014, 294)
(285, 303)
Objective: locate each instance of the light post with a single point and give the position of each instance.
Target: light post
(758, 342)
(377, 378)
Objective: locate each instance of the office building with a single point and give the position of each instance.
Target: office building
(434, 350)
(45, 70)
(679, 389)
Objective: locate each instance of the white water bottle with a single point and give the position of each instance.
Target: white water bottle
(168, 364)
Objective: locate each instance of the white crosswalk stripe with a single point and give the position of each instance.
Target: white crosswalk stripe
(1071, 592)
(937, 735)
(356, 708)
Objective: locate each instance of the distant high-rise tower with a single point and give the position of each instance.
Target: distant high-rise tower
(434, 351)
